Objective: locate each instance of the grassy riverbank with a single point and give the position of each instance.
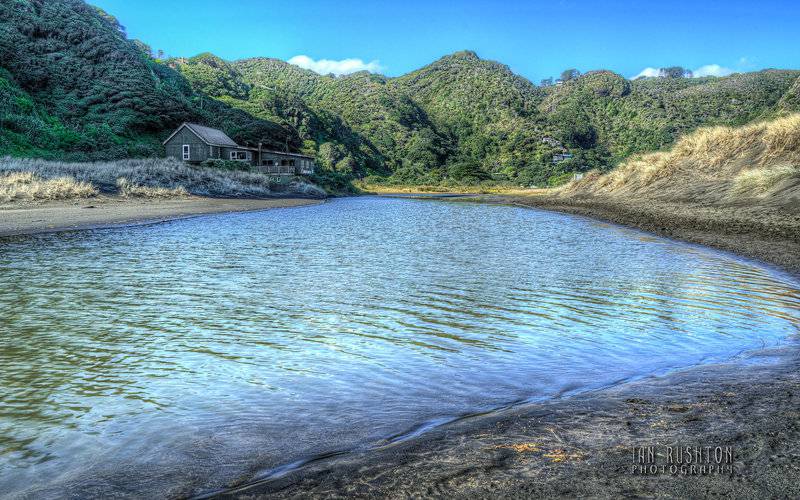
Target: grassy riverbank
(41, 196)
(758, 164)
(375, 188)
(31, 180)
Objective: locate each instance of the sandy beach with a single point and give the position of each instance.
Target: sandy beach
(109, 211)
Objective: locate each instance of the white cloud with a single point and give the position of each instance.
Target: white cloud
(711, 70)
(707, 70)
(343, 67)
(647, 73)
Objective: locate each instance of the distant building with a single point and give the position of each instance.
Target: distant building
(552, 142)
(195, 143)
(561, 157)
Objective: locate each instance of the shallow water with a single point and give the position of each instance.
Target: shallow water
(178, 358)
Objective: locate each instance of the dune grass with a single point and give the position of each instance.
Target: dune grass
(150, 178)
(27, 186)
(763, 181)
(130, 190)
(715, 164)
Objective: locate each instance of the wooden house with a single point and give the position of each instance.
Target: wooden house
(195, 143)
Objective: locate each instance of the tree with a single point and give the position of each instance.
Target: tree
(547, 82)
(110, 19)
(570, 74)
(674, 72)
(346, 165)
(146, 49)
(329, 155)
(466, 170)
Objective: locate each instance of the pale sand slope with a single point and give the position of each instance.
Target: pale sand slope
(107, 211)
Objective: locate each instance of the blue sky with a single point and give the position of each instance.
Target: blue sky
(536, 39)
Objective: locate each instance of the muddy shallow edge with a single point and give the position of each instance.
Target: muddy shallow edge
(587, 445)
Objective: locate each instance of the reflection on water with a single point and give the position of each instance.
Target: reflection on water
(181, 357)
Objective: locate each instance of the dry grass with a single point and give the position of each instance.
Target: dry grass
(27, 186)
(715, 164)
(763, 182)
(131, 190)
(148, 178)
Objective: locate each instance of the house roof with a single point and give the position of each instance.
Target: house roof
(210, 136)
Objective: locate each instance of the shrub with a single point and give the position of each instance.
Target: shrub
(559, 179)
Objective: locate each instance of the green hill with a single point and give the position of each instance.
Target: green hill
(465, 119)
(73, 86)
(487, 114)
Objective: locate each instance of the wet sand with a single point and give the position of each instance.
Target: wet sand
(109, 211)
(587, 445)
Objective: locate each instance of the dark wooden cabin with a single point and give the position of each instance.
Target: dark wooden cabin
(195, 143)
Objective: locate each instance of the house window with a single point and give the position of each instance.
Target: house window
(291, 163)
(240, 155)
(187, 152)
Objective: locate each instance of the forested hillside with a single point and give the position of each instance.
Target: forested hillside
(72, 85)
(466, 119)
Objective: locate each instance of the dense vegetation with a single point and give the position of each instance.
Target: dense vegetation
(73, 86)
